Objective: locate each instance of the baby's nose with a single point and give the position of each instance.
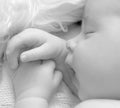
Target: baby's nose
(71, 44)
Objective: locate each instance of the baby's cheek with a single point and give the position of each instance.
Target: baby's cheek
(97, 65)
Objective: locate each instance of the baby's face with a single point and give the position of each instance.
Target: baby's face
(94, 55)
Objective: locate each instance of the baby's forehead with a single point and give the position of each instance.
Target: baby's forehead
(102, 7)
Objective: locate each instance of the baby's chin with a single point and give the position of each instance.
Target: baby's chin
(105, 89)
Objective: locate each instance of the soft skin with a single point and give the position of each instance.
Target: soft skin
(37, 81)
(35, 44)
(94, 54)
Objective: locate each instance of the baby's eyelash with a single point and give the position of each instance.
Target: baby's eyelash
(89, 32)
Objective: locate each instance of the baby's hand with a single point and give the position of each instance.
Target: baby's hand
(37, 44)
(36, 80)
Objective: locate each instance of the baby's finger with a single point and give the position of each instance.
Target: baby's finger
(21, 42)
(57, 78)
(48, 66)
(43, 52)
(29, 38)
(15, 45)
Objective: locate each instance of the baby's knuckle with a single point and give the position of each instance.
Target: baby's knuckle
(52, 63)
(49, 63)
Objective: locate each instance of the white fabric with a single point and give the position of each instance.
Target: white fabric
(6, 92)
(64, 98)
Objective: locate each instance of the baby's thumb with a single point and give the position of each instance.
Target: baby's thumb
(57, 78)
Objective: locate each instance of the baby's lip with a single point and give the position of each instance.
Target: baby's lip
(72, 70)
(68, 46)
(68, 59)
(69, 62)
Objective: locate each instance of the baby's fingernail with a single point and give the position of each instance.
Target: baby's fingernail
(23, 58)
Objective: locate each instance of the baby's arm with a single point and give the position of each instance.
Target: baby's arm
(35, 83)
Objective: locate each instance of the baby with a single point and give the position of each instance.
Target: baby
(93, 55)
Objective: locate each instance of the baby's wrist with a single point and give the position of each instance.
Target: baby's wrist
(32, 102)
(34, 92)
